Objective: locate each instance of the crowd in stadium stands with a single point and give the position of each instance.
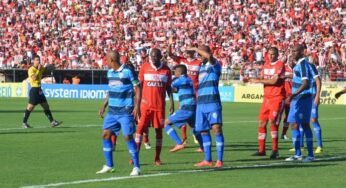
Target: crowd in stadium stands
(76, 34)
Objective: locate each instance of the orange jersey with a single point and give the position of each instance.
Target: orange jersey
(193, 67)
(155, 82)
(288, 81)
(268, 71)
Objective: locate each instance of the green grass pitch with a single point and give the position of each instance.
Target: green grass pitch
(69, 156)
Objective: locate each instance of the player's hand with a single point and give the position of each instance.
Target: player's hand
(288, 99)
(136, 113)
(337, 95)
(317, 100)
(102, 112)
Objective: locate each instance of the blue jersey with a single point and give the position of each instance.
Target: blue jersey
(121, 92)
(314, 74)
(301, 71)
(187, 98)
(208, 86)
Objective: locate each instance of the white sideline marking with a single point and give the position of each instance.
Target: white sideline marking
(100, 125)
(177, 172)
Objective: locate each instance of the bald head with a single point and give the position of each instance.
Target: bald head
(156, 55)
(113, 59)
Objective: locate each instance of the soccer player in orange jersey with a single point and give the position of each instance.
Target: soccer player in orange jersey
(273, 102)
(193, 65)
(156, 80)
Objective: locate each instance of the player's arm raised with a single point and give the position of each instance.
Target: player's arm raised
(204, 54)
(104, 106)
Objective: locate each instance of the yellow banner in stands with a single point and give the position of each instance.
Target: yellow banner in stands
(254, 94)
(13, 90)
(328, 95)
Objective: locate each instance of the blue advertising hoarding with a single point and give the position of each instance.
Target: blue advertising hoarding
(70, 91)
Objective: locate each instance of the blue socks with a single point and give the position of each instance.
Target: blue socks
(309, 143)
(301, 130)
(107, 152)
(219, 146)
(318, 133)
(207, 146)
(173, 134)
(296, 141)
(131, 145)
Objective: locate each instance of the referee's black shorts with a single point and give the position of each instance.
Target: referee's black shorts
(36, 96)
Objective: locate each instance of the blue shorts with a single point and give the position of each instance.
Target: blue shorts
(314, 111)
(115, 123)
(205, 119)
(300, 110)
(181, 117)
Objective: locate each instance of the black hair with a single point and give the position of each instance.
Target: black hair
(182, 68)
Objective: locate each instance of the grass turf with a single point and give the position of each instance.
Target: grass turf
(73, 152)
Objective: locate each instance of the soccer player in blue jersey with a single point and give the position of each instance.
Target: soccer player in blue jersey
(209, 108)
(301, 104)
(316, 91)
(183, 85)
(122, 109)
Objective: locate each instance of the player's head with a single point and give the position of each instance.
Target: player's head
(180, 70)
(156, 56)
(113, 59)
(298, 52)
(190, 54)
(273, 54)
(36, 60)
(206, 49)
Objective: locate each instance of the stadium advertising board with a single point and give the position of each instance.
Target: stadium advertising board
(70, 91)
(328, 95)
(248, 93)
(13, 90)
(226, 93)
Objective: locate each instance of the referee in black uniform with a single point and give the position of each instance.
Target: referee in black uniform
(36, 95)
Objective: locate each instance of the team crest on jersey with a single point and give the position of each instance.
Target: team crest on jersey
(301, 116)
(214, 115)
(275, 114)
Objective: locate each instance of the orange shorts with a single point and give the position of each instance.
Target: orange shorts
(271, 109)
(151, 117)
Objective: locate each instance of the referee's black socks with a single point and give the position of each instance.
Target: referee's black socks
(49, 115)
(26, 116)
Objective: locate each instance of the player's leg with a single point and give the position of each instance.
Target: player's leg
(302, 133)
(28, 110)
(219, 138)
(49, 115)
(129, 128)
(203, 126)
(317, 128)
(274, 122)
(146, 138)
(158, 124)
(173, 134)
(293, 118)
(33, 101)
(262, 128)
(183, 134)
(144, 121)
(114, 141)
(285, 123)
(110, 125)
